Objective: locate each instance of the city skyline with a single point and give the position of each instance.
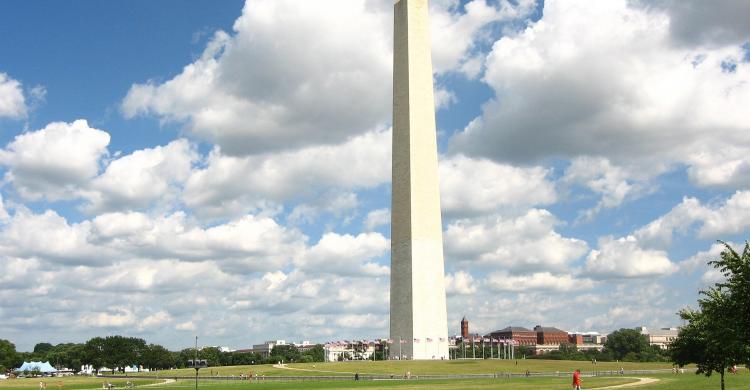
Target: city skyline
(223, 168)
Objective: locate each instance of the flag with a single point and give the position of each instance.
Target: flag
(442, 339)
(495, 340)
(416, 340)
(486, 340)
(402, 341)
(389, 341)
(429, 340)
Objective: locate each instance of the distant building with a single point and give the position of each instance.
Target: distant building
(586, 340)
(549, 339)
(662, 338)
(265, 349)
(464, 328)
(520, 335)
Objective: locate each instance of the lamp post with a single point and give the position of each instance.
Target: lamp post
(196, 364)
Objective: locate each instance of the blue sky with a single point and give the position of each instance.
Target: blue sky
(591, 156)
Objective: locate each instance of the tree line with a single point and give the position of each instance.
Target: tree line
(120, 351)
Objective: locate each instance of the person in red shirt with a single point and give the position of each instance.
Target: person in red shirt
(577, 380)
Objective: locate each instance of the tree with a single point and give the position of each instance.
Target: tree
(41, 349)
(715, 336)
(736, 269)
(622, 342)
(93, 353)
(8, 356)
(157, 357)
(286, 353)
(318, 353)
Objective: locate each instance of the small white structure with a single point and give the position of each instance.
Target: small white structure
(662, 337)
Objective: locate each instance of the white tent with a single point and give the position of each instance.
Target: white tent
(44, 367)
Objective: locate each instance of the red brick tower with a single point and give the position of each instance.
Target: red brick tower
(464, 328)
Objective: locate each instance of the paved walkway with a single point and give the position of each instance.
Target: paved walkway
(641, 382)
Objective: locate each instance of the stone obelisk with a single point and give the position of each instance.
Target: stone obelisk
(419, 328)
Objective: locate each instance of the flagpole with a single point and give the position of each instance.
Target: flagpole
(399, 348)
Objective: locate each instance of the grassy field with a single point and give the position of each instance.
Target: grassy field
(669, 381)
(416, 368)
(67, 383)
(502, 384)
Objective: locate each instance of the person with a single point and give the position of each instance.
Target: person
(577, 380)
(356, 376)
(41, 385)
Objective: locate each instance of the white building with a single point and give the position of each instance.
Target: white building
(264, 350)
(661, 337)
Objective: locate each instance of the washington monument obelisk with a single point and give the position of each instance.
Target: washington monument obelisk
(419, 327)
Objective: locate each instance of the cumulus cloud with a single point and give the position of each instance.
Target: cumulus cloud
(377, 218)
(136, 180)
(12, 101)
(309, 80)
(231, 185)
(307, 68)
(712, 220)
(479, 186)
(346, 255)
(545, 281)
(460, 283)
(613, 184)
(696, 22)
(624, 258)
(455, 34)
(247, 244)
(56, 161)
(519, 245)
(604, 79)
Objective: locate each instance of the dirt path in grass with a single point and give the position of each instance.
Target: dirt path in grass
(641, 382)
(284, 367)
(166, 382)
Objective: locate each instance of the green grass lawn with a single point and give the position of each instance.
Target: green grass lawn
(503, 384)
(687, 381)
(67, 383)
(416, 368)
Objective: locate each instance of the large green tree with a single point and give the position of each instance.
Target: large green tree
(716, 336)
(735, 268)
(626, 342)
(157, 357)
(8, 356)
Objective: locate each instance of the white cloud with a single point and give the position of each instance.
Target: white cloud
(308, 81)
(520, 245)
(159, 318)
(624, 258)
(605, 79)
(479, 186)
(460, 283)
(12, 101)
(346, 255)
(3, 212)
(232, 185)
(614, 184)
(56, 161)
(455, 34)
(705, 23)
(376, 218)
(136, 180)
(49, 236)
(711, 220)
(296, 73)
(114, 318)
(546, 281)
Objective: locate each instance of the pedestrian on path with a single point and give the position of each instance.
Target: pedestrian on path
(577, 380)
